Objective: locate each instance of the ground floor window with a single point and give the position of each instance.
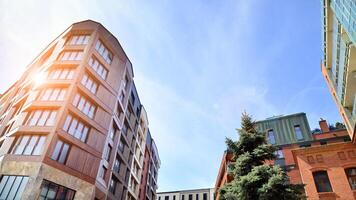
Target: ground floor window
(322, 182)
(53, 191)
(351, 177)
(12, 187)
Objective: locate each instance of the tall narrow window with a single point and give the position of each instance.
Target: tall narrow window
(76, 128)
(84, 105)
(52, 94)
(29, 145)
(117, 165)
(197, 197)
(298, 132)
(190, 197)
(351, 177)
(166, 197)
(103, 51)
(205, 196)
(41, 118)
(121, 145)
(322, 182)
(71, 55)
(50, 190)
(89, 83)
(12, 187)
(112, 185)
(271, 137)
(107, 153)
(78, 40)
(60, 152)
(98, 67)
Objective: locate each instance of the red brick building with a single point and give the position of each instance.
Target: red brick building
(326, 164)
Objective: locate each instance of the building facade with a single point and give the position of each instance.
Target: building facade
(339, 56)
(196, 194)
(297, 146)
(72, 126)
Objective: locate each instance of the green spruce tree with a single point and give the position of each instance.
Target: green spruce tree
(253, 178)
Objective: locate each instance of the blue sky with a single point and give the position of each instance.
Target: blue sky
(197, 64)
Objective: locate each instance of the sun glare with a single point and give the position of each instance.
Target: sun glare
(39, 79)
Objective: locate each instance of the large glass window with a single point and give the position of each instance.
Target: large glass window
(76, 128)
(112, 185)
(271, 137)
(71, 55)
(205, 196)
(61, 74)
(298, 132)
(89, 83)
(60, 152)
(351, 177)
(98, 67)
(103, 51)
(84, 105)
(41, 118)
(53, 191)
(52, 94)
(107, 153)
(29, 145)
(12, 187)
(78, 40)
(117, 165)
(322, 182)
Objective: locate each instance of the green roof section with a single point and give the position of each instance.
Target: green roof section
(284, 128)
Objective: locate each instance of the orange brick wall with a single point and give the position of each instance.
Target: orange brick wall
(334, 159)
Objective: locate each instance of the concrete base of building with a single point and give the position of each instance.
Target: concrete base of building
(37, 172)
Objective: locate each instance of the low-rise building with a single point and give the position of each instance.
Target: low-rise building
(325, 161)
(195, 194)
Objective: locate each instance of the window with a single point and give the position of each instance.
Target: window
(50, 190)
(41, 118)
(271, 137)
(351, 177)
(12, 187)
(122, 97)
(71, 55)
(89, 83)
(52, 94)
(103, 51)
(190, 197)
(322, 182)
(124, 128)
(205, 196)
(112, 186)
(84, 105)
(112, 132)
(107, 153)
(98, 67)
(298, 132)
(122, 145)
(29, 145)
(102, 172)
(60, 152)
(117, 165)
(279, 154)
(323, 142)
(174, 197)
(197, 196)
(125, 83)
(182, 196)
(61, 74)
(159, 198)
(166, 197)
(78, 40)
(75, 128)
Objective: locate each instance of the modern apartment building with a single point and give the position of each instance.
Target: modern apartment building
(195, 194)
(73, 126)
(339, 56)
(324, 161)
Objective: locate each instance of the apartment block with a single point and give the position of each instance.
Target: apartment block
(338, 64)
(72, 126)
(322, 160)
(195, 194)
